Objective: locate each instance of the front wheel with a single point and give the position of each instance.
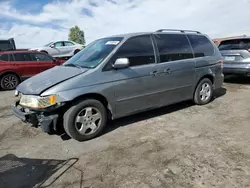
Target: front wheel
(204, 92)
(85, 120)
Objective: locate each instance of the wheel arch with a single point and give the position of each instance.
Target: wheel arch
(98, 97)
(208, 76)
(10, 72)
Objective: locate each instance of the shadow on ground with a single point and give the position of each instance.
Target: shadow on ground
(237, 79)
(25, 172)
(156, 112)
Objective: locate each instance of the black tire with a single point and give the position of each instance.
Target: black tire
(198, 96)
(76, 51)
(9, 81)
(70, 116)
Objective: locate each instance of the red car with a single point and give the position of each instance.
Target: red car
(16, 66)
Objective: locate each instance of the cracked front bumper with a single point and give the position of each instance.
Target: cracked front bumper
(47, 121)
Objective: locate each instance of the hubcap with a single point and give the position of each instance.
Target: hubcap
(205, 92)
(10, 82)
(88, 120)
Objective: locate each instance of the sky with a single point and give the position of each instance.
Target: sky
(34, 23)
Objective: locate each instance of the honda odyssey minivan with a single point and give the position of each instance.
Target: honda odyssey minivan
(118, 76)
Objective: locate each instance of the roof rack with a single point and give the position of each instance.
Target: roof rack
(182, 31)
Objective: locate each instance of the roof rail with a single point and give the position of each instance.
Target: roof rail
(182, 31)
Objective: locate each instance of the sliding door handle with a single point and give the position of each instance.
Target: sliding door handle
(153, 73)
(167, 71)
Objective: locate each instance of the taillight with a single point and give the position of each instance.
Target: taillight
(248, 50)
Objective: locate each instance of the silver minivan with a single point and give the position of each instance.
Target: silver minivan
(118, 76)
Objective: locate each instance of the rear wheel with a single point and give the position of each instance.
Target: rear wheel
(204, 92)
(9, 81)
(76, 51)
(85, 120)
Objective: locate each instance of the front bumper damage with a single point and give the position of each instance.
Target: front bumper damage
(47, 121)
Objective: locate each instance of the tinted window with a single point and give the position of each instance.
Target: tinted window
(5, 45)
(173, 47)
(11, 57)
(201, 45)
(22, 57)
(58, 44)
(41, 57)
(236, 44)
(67, 43)
(4, 57)
(139, 50)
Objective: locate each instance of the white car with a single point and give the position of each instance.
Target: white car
(60, 48)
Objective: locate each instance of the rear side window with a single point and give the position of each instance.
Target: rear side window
(173, 47)
(40, 57)
(4, 57)
(139, 50)
(201, 45)
(67, 43)
(22, 57)
(236, 44)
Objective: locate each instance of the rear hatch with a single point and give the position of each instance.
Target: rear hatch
(235, 50)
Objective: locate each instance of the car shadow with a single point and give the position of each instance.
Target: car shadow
(25, 172)
(112, 125)
(237, 79)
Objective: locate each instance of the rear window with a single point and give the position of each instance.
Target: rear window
(5, 45)
(201, 45)
(236, 44)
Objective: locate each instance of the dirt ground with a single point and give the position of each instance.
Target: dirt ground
(181, 145)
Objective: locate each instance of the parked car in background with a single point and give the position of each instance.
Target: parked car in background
(16, 66)
(7, 45)
(118, 76)
(236, 53)
(60, 48)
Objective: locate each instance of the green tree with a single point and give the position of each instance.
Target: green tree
(76, 35)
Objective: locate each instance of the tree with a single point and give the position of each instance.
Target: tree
(76, 35)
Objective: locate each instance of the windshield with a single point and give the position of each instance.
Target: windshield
(48, 44)
(237, 44)
(94, 53)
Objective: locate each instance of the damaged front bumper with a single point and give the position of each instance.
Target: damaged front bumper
(46, 120)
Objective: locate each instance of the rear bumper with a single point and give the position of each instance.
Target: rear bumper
(236, 68)
(218, 82)
(47, 122)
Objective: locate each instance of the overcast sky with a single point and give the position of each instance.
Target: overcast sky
(36, 22)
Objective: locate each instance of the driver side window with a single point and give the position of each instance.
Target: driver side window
(139, 50)
(58, 44)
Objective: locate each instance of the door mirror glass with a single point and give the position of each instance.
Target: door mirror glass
(52, 46)
(121, 63)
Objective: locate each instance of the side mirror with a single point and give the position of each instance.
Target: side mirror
(121, 63)
(52, 46)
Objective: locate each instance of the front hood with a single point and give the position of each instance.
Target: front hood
(43, 81)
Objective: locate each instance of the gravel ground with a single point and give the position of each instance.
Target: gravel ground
(182, 145)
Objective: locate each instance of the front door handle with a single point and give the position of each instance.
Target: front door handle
(154, 73)
(167, 71)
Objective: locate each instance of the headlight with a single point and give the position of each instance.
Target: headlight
(37, 101)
